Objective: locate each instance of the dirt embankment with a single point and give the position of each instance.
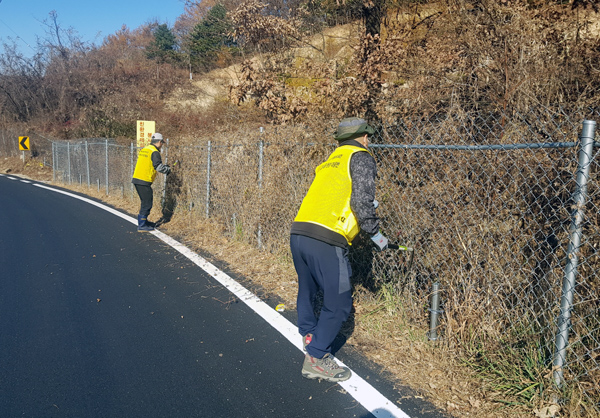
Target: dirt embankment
(31, 168)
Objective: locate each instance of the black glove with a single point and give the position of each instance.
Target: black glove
(163, 168)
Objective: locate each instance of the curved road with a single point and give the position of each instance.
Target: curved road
(98, 320)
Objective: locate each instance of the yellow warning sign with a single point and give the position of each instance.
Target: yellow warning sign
(145, 129)
(24, 143)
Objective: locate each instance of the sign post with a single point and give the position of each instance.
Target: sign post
(23, 145)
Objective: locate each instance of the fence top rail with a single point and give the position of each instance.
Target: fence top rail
(500, 147)
(84, 143)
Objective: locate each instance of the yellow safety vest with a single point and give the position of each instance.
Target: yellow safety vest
(144, 169)
(327, 202)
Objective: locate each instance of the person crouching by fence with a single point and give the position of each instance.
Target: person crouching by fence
(339, 202)
(148, 164)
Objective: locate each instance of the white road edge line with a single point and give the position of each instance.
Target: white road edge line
(356, 386)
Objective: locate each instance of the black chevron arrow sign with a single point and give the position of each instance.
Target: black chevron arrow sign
(24, 143)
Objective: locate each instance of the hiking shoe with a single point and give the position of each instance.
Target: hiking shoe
(306, 340)
(145, 228)
(324, 368)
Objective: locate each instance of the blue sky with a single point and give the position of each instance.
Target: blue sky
(21, 20)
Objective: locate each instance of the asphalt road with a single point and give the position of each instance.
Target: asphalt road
(98, 320)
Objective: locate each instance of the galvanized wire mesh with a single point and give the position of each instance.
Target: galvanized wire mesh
(234, 196)
(492, 227)
(191, 178)
(486, 201)
(490, 216)
(98, 163)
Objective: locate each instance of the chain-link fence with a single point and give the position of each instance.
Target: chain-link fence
(94, 162)
(501, 214)
(497, 227)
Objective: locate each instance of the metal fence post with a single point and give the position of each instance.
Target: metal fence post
(106, 166)
(208, 179)
(87, 163)
(435, 311)
(69, 162)
(260, 179)
(53, 163)
(569, 281)
(164, 191)
(131, 167)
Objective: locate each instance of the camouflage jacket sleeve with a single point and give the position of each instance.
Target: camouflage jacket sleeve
(364, 172)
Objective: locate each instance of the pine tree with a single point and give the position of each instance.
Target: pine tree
(209, 37)
(164, 46)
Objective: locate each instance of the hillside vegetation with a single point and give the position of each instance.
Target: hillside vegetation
(390, 60)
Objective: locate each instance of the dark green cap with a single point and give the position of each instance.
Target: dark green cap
(351, 128)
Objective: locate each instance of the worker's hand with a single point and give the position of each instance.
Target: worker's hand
(381, 242)
(163, 168)
(375, 203)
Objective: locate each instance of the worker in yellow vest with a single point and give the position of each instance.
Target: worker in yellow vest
(148, 164)
(339, 203)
